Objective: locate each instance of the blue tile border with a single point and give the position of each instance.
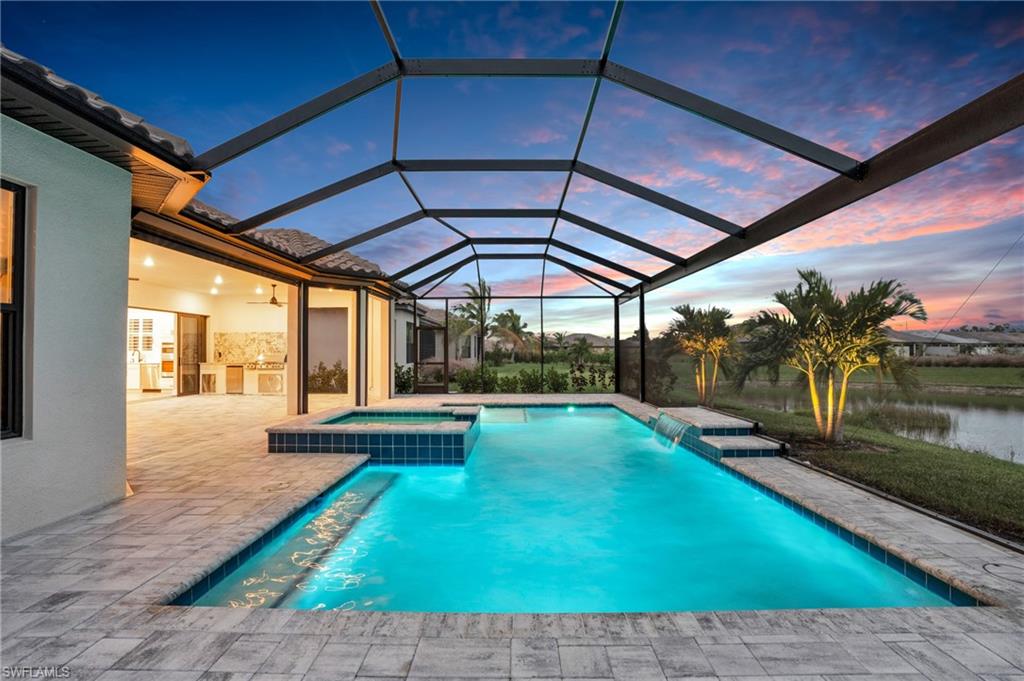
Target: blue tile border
(931, 582)
(388, 447)
(208, 581)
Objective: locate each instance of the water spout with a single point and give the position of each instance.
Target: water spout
(672, 429)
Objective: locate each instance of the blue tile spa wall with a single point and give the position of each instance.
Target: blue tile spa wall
(423, 449)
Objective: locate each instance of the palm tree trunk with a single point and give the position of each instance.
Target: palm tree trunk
(714, 380)
(830, 402)
(841, 408)
(703, 380)
(815, 399)
(696, 380)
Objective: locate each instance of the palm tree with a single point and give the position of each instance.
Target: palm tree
(560, 339)
(702, 334)
(510, 328)
(580, 350)
(476, 311)
(828, 339)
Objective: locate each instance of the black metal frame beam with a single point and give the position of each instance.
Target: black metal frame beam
(441, 272)
(509, 240)
(444, 253)
(403, 166)
(610, 264)
(575, 269)
(993, 114)
(554, 68)
(630, 241)
(456, 165)
(315, 196)
(492, 212)
(983, 119)
(293, 118)
(731, 118)
(397, 223)
(658, 199)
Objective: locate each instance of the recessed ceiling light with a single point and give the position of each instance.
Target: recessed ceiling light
(214, 291)
(218, 280)
(148, 262)
(259, 290)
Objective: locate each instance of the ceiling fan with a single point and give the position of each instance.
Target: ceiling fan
(273, 299)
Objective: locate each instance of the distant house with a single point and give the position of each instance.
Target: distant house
(596, 343)
(993, 342)
(431, 337)
(932, 344)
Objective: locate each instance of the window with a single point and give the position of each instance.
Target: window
(12, 276)
(409, 343)
(140, 335)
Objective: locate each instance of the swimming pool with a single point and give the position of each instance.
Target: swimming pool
(561, 510)
(390, 417)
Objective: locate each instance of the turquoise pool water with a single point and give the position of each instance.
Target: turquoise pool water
(386, 417)
(560, 511)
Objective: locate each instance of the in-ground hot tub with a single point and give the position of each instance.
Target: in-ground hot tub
(415, 437)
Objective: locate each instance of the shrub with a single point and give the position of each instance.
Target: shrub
(578, 376)
(557, 381)
(468, 380)
(403, 379)
(530, 381)
(328, 380)
(488, 381)
(508, 384)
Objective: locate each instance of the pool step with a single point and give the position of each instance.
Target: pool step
(718, 446)
(307, 550)
(714, 434)
(503, 415)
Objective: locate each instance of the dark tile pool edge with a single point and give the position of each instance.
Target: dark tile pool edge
(905, 565)
(198, 589)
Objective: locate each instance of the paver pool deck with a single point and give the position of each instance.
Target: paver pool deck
(86, 592)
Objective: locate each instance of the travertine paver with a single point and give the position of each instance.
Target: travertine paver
(86, 592)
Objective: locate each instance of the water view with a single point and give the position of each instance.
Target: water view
(993, 424)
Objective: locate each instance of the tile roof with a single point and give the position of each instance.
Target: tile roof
(45, 78)
(927, 337)
(293, 242)
(592, 338)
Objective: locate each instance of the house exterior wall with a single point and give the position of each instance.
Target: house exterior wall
(71, 456)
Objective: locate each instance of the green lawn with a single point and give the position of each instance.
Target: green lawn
(977, 489)
(989, 377)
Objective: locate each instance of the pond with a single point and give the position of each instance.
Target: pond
(993, 424)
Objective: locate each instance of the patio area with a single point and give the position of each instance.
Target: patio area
(88, 592)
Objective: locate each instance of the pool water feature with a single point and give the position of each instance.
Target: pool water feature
(586, 510)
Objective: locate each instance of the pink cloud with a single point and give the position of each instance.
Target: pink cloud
(1007, 32)
(747, 46)
(540, 135)
(874, 111)
(963, 61)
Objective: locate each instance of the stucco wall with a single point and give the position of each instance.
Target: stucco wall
(72, 454)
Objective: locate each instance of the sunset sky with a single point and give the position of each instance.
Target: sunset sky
(856, 77)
